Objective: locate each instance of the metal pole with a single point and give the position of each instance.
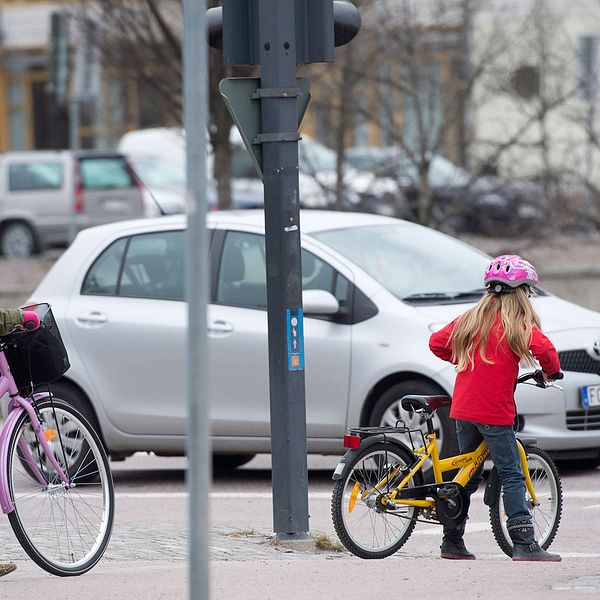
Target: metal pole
(195, 79)
(279, 139)
(592, 92)
(74, 118)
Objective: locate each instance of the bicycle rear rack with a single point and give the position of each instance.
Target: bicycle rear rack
(399, 429)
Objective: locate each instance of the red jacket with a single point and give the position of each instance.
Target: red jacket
(485, 393)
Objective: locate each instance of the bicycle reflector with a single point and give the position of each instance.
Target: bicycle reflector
(50, 435)
(351, 441)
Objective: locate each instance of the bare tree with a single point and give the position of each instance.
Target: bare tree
(393, 79)
(419, 74)
(139, 42)
(533, 135)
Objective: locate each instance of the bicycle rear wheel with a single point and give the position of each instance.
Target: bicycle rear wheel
(365, 525)
(63, 528)
(545, 514)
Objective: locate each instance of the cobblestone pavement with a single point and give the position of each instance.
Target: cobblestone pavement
(169, 543)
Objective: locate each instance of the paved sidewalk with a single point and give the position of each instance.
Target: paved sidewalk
(248, 566)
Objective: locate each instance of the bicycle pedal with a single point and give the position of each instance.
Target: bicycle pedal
(447, 492)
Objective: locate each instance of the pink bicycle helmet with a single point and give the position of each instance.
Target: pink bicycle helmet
(509, 270)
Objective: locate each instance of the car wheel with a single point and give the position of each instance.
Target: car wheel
(71, 395)
(387, 411)
(577, 464)
(231, 461)
(17, 240)
(77, 400)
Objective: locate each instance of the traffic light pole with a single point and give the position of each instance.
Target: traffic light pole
(278, 35)
(279, 139)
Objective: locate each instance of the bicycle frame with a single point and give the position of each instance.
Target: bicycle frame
(16, 407)
(468, 464)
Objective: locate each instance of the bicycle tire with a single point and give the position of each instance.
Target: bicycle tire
(64, 530)
(372, 533)
(546, 515)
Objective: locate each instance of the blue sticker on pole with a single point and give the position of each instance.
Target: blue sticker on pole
(295, 340)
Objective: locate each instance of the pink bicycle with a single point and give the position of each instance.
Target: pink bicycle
(55, 481)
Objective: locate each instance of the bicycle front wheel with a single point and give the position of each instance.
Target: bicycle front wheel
(365, 524)
(64, 528)
(545, 512)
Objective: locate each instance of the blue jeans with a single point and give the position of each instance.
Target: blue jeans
(502, 444)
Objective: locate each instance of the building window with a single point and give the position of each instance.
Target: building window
(526, 81)
(18, 130)
(423, 108)
(587, 67)
(16, 117)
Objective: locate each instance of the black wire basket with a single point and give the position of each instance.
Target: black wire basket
(36, 357)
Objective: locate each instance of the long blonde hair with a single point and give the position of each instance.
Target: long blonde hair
(472, 329)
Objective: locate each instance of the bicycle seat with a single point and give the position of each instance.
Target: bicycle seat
(429, 404)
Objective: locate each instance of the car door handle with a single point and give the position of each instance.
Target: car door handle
(94, 317)
(219, 327)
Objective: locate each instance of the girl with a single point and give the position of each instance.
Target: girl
(11, 319)
(486, 344)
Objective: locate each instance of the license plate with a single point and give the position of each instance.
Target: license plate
(114, 204)
(590, 396)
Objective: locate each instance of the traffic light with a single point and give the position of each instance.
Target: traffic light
(320, 25)
(58, 66)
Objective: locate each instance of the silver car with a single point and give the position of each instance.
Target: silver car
(118, 295)
(44, 194)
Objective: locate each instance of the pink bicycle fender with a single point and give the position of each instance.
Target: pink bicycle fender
(5, 500)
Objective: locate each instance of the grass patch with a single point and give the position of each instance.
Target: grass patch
(241, 533)
(325, 543)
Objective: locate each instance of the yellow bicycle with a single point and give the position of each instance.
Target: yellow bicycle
(380, 491)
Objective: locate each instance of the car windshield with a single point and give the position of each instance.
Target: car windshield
(392, 162)
(414, 263)
(315, 157)
(157, 172)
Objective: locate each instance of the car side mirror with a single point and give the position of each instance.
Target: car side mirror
(319, 302)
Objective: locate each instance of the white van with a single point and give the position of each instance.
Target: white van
(45, 196)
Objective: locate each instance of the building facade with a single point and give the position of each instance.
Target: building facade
(26, 118)
(535, 108)
(31, 116)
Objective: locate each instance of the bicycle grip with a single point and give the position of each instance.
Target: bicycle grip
(31, 320)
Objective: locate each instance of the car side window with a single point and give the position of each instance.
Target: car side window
(149, 265)
(153, 266)
(242, 272)
(35, 176)
(316, 273)
(105, 173)
(103, 277)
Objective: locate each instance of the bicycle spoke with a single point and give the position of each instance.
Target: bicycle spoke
(545, 512)
(365, 519)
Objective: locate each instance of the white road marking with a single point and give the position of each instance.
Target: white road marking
(213, 495)
(471, 528)
(312, 495)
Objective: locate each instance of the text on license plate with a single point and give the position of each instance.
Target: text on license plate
(590, 396)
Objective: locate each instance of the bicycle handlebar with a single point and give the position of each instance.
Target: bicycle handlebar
(538, 377)
(31, 321)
